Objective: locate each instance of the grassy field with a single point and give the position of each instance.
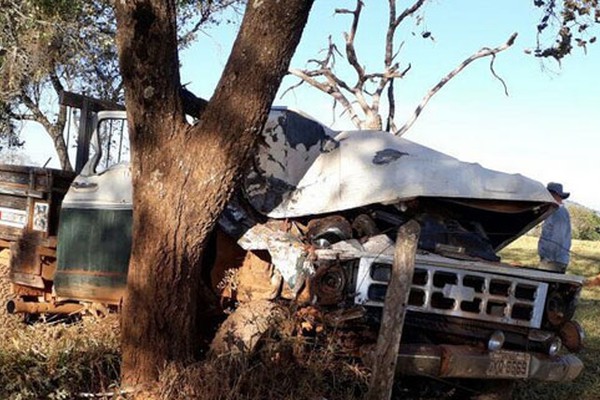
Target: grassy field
(61, 361)
(585, 261)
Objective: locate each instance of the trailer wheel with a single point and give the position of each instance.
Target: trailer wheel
(246, 326)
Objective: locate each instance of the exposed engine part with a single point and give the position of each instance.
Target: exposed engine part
(323, 232)
(364, 226)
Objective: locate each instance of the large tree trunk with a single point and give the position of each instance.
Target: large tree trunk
(183, 176)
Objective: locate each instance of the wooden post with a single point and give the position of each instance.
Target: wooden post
(392, 320)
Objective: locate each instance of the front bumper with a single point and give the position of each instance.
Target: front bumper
(450, 361)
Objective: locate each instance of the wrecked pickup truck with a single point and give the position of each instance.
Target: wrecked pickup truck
(317, 217)
(314, 224)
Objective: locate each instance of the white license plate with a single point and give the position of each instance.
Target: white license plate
(506, 364)
(13, 217)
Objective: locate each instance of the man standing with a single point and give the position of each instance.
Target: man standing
(555, 241)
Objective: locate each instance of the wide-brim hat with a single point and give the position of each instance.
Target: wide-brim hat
(557, 188)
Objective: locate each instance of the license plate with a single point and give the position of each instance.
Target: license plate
(506, 364)
(13, 217)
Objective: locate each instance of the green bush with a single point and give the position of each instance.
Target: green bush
(585, 222)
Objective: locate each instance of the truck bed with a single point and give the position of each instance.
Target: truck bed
(30, 199)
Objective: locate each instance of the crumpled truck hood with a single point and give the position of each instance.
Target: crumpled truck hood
(304, 169)
(358, 168)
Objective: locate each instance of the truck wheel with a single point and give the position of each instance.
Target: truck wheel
(243, 329)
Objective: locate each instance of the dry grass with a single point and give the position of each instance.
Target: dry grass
(585, 261)
(284, 369)
(60, 360)
(54, 360)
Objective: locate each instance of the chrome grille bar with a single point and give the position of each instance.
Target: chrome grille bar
(461, 293)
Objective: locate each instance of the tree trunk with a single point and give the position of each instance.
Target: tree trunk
(56, 133)
(184, 175)
(372, 122)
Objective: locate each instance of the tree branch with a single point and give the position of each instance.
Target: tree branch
(56, 84)
(330, 89)
(390, 125)
(390, 68)
(36, 113)
(349, 37)
(408, 12)
(484, 52)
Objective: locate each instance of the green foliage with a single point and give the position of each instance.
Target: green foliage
(568, 23)
(47, 46)
(585, 222)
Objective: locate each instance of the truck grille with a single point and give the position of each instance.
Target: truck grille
(461, 293)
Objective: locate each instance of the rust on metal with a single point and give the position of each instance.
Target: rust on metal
(20, 307)
(22, 290)
(86, 272)
(101, 294)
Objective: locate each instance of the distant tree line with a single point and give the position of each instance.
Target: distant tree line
(585, 223)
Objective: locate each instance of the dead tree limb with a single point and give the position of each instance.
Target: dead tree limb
(484, 52)
(349, 36)
(362, 99)
(392, 321)
(329, 87)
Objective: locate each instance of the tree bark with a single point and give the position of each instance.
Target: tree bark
(56, 133)
(184, 175)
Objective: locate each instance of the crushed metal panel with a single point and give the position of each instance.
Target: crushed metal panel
(290, 144)
(359, 168)
(288, 254)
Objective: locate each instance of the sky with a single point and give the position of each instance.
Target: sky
(548, 128)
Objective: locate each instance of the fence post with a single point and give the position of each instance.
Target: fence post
(394, 310)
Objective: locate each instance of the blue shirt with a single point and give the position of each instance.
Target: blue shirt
(555, 241)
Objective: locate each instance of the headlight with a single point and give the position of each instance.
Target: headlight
(559, 308)
(328, 285)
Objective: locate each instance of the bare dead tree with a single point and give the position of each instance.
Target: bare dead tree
(362, 100)
(364, 108)
(484, 52)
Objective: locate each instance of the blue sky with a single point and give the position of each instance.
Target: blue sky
(548, 128)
